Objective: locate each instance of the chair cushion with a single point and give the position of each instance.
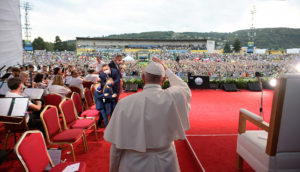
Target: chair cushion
(93, 107)
(60, 167)
(251, 145)
(253, 149)
(82, 123)
(90, 113)
(69, 135)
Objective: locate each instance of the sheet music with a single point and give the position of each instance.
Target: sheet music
(4, 106)
(72, 168)
(3, 88)
(19, 108)
(33, 93)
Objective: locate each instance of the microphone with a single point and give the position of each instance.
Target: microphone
(258, 75)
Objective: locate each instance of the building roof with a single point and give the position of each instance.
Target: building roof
(155, 40)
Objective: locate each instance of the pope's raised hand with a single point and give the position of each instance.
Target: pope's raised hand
(160, 61)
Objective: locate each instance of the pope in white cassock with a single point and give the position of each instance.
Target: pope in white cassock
(144, 125)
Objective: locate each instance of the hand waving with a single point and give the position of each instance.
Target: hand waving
(160, 61)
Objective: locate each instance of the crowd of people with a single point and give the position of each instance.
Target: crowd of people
(58, 77)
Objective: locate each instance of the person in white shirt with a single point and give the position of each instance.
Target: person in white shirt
(144, 126)
(76, 81)
(92, 76)
(15, 86)
(57, 87)
(98, 65)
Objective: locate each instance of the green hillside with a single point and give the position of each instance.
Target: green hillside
(270, 38)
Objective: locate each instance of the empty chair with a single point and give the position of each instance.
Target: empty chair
(79, 107)
(87, 84)
(75, 89)
(54, 133)
(71, 119)
(89, 103)
(33, 155)
(53, 99)
(277, 146)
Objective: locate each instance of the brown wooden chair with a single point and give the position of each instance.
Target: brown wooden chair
(276, 147)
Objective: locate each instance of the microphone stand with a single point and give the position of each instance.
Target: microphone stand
(261, 98)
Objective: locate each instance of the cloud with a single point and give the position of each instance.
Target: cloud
(72, 18)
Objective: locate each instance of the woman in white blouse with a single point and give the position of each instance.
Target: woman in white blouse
(57, 87)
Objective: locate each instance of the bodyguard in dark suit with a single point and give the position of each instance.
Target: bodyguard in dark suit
(116, 64)
(111, 73)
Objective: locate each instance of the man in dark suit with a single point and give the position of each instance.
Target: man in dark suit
(111, 73)
(116, 64)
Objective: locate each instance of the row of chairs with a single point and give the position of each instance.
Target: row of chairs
(31, 148)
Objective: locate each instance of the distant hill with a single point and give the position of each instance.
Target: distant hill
(270, 38)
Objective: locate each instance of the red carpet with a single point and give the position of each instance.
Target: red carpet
(213, 112)
(217, 112)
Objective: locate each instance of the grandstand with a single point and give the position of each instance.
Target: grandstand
(99, 44)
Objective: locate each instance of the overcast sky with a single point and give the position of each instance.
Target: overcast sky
(73, 18)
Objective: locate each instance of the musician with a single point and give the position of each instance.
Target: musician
(77, 81)
(92, 76)
(57, 86)
(15, 86)
(31, 75)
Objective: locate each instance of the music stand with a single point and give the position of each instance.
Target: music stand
(13, 115)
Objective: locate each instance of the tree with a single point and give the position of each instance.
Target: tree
(227, 48)
(38, 44)
(49, 46)
(58, 44)
(237, 45)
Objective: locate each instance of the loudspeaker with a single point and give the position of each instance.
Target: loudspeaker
(129, 87)
(214, 86)
(254, 86)
(198, 82)
(229, 87)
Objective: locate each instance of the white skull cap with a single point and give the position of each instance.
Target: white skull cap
(155, 69)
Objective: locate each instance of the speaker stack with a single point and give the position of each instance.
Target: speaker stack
(201, 82)
(129, 87)
(253, 86)
(229, 87)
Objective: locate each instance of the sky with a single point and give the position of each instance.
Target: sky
(82, 18)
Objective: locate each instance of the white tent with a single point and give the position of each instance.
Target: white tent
(293, 51)
(128, 58)
(260, 51)
(10, 33)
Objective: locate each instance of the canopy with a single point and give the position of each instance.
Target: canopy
(128, 58)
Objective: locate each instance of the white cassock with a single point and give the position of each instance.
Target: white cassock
(144, 126)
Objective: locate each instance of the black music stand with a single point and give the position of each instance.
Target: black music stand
(13, 115)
